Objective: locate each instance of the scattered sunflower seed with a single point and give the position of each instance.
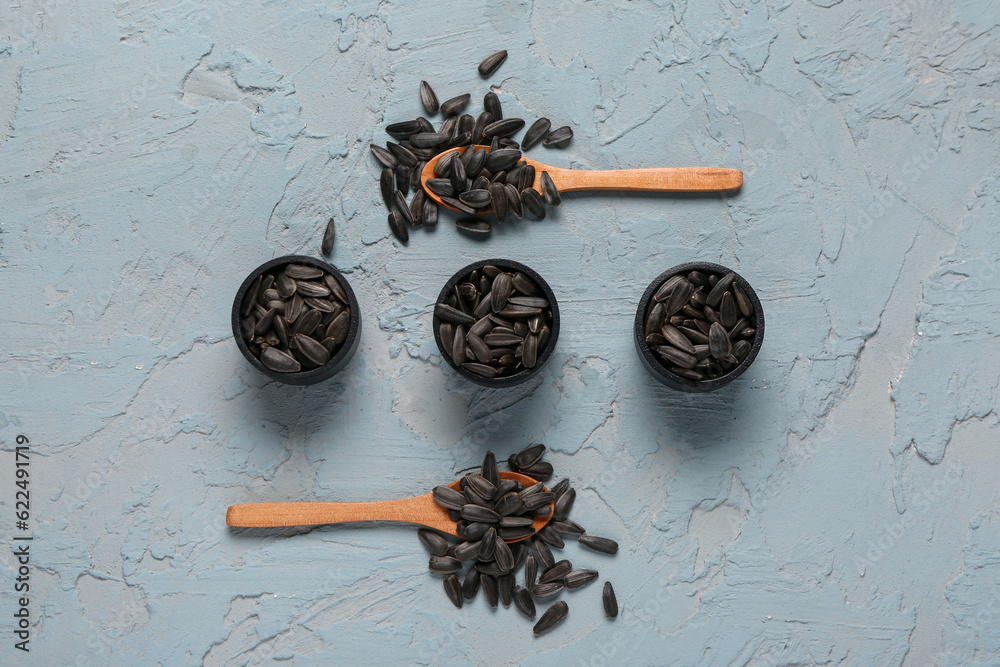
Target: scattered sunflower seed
(491, 62)
(428, 98)
(552, 617)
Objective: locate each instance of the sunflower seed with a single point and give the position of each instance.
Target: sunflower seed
(718, 341)
(564, 503)
(440, 186)
(403, 155)
(478, 199)
(728, 311)
(453, 589)
(474, 225)
(524, 602)
(387, 159)
(678, 296)
(312, 289)
(535, 133)
(477, 513)
(674, 336)
(475, 165)
(492, 104)
(549, 190)
(542, 553)
(491, 589)
(601, 544)
(436, 544)
(480, 485)
(489, 469)
(444, 564)
(580, 578)
(502, 159)
(556, 572)
(313, 351)
(398, 227)
(546, 590)
(503, 556)
(533, 204)
(484, 119)
(467, 551)
(488, 544)
(504, 128)
(740, 349)
(541, 470)
(515, 521)
(327, 245)
(505, 587)
(694, 335)
(567, 527)
(742, 300)
(454, 105)
(551, 537)
(279, 361)
(509, 504)
(458, 205)
(471, 584)
(720, 288)
(428, 98)
(516, 532)
(559, 137)
(609, 600)
(404, 128)
(447, 313)
(529, 357)
(498, 201)
(448, 497)
(491, 62)
(676, 357)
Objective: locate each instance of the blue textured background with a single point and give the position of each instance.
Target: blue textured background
(836, 505)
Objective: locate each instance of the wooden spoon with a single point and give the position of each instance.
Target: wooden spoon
(422, 510)
(667, 179)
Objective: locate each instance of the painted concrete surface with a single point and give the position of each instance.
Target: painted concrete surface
(836, 505)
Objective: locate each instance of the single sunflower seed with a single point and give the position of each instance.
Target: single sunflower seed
(491, 62)
(609, 600)
(535, 133)
(428, 98)
(559, 137)
(602, 544)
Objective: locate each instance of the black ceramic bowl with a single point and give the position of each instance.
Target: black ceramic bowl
(337, 361)
(653, 363)
(543, 356)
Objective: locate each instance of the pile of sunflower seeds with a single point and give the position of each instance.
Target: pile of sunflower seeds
(495, 323)
(477, 180)
(700, 325)
(295, 319)
(490, 510)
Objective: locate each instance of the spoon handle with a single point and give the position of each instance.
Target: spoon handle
(668, 179)
(421, 510)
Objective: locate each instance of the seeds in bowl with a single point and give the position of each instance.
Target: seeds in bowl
(490, 511)
(700, 325)
(495, 322)
(478, 180)
(295, 319)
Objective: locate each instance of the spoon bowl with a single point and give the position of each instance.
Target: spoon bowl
(421, 510)
(666, 179)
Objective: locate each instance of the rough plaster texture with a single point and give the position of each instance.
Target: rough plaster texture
(836, 505)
